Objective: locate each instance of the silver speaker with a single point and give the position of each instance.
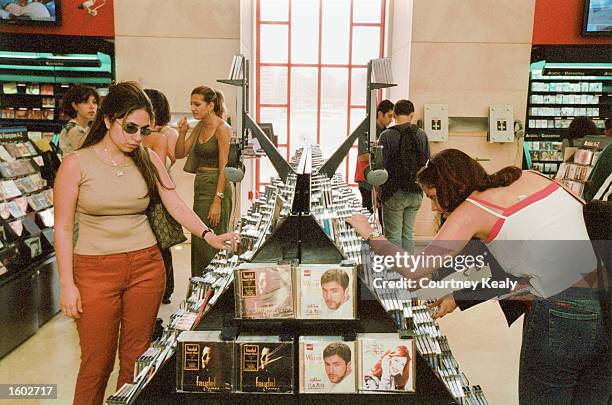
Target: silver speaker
(233, 174)
(376, 177)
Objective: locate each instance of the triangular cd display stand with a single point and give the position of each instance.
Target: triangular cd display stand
(299, 236)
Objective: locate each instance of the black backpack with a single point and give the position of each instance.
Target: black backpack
(411, 157)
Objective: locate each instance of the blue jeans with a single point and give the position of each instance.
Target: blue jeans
(565, 353)
(399, 215)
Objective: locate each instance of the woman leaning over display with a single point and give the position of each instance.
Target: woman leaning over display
(207, 151)
(112, 277)
(536, 231)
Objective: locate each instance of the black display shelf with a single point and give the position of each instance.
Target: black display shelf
(544, 132)
(29, 290)
(373, 318)
(561, 117)
(568, 105)
(546, 161)
(34, 125)
(28, 298)
(596, 93)
(576, 78)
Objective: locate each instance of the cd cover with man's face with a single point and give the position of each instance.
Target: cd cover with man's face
(326, 365)
(264, 291)
(326, 292)
(386, 363)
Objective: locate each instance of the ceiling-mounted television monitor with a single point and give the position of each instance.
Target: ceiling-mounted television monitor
(30, 12)
(597, 17)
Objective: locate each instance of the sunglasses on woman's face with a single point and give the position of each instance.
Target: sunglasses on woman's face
(131, 128)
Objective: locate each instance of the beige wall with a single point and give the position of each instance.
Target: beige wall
(174, 46)
(468, 54)
(398, 46)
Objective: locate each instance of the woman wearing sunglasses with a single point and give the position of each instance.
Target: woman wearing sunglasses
(536, 231)
(207, 151)
(112, 276)
(162, 140)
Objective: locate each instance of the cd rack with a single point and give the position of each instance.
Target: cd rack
(331, 203)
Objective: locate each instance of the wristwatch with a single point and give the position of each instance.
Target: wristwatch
(207, 230)
(220, 194)
(374, 234)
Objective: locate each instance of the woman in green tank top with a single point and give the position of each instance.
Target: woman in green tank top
(207, 149)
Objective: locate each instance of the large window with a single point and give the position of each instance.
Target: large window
(311, 72)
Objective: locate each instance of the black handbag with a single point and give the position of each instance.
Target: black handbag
(51, 163)
(167, 231)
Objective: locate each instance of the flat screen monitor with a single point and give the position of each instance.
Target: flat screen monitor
(597, 17)
(30, 12)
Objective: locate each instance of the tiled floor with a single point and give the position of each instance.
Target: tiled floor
(486, 349)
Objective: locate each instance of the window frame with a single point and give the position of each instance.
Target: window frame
(289, 65)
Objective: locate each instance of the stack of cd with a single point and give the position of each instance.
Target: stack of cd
(332, 202)
(124, 396)
(434, 348)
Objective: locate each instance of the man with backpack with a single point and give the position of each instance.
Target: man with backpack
(405, 152)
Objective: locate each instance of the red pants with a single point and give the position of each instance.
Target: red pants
(119, 292)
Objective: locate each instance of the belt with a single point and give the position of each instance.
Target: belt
(207, 169)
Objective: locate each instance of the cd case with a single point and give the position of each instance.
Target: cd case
(264, 291)
(326, 292)
(386, 362)
(327, 365)
(204, 362)
(265, 364)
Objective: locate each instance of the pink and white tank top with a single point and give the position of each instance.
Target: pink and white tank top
(542, 237)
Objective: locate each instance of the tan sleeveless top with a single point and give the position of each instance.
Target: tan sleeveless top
(110, 209)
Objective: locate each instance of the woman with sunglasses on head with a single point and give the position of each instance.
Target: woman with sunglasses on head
(162, 141)
(536, 231)
(207, 151)
(80, 103)
(112, 276)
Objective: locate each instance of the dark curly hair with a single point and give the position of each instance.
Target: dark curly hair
(581, 127)
(455, 176)
(77, 94)
(338, 348)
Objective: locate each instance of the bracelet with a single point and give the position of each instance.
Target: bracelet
(207, 230)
